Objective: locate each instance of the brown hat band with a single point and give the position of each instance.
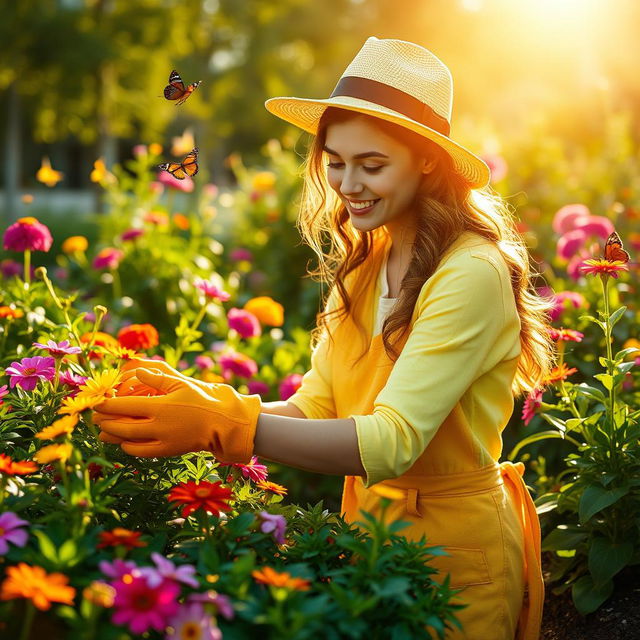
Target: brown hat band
(392, 98)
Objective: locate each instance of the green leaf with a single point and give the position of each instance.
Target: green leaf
(563, 537)
(587, 596)
(556, 422)
(68, 552)
(535, 437)
(47, 548)
(606, 558)
(625, 366)
(595, 498)
(590, 392)
(606, 380)
(616, 315)
(624, 353)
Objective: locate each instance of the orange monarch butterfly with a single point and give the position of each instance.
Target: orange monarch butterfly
(176, 90)
(188, 166)
(613, 249)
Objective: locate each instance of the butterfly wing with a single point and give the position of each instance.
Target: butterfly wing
(190, 163)
(613, 249)
(175, 89)
(174, 168)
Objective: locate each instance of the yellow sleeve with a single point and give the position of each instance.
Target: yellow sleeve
(454, 340)
(314, 397)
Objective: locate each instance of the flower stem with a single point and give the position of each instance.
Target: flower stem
(610, 366)
(28, 620)
(27, 267)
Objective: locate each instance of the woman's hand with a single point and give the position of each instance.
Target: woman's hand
(129, 368)
(184, 418)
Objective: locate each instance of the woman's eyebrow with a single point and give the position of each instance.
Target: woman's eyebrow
(366, 154)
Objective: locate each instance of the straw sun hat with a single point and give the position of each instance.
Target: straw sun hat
(396, 81)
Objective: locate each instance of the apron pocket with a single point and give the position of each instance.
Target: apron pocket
(466, 566)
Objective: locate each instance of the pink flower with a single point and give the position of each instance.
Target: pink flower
(204, 362)
(131, 234)
(117, 568)
(573, 268)
(166, 569)
(142, 606)
(221, 602)
(257, 386)
(238, 364)
(108, 258)
(596, 226)
(575, 299)
(191, 621)
(531, 405)
(240, 254)
(29, 371)
(10, 268)
(211, 290)
(253, 470)
(274, 523)
(289, 385)
(568, 217)
(244, 322)
(186, 185)
(139, 150)
(603, 267)
(58, 349)
(570, 243)
(498, 166)
(4, 391)
(11, 531)
(157, 187)
(567, 335)
(27, 234)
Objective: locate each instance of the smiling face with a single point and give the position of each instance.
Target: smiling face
(374, 174)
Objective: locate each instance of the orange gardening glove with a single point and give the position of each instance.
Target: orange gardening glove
(182, 420)
(128, 370)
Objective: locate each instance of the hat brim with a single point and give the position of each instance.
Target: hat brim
(306, 113)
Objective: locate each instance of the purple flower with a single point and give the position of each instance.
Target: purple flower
(211, 290)
(238, 364)
(166, 569)
(10, 268)
(71, 379)
(204, 362)
(4, 391)
(257, 386)
(27, 234)
(191, 621)
(273, 524)
(29, 371)
(131, 234)
(186, 184)
(58, 349)
(108, 258)
(221, 602)
(241, 253)
(11, 531)
(244, 322)
(289, 385)
(117, 568)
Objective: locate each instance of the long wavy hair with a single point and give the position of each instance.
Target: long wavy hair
(445, 206)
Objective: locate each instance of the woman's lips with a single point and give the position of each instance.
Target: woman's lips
(361, 211)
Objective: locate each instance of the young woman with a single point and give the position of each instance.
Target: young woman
(430, 330)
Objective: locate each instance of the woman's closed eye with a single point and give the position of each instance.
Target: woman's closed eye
(339, 165)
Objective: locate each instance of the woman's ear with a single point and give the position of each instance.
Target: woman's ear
(428, 165)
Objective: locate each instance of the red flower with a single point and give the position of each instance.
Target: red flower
(565, 334)
(16, 468)
(138, 337)
(120, 537)
(210, 496)
(603, 267)
(559, 373)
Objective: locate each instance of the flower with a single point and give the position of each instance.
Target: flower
(267, 310)
(121, 537)
(75, 244)
(181, 145)
(138, 336)
(155, 149)
(131, 234)
(93, 392)
(35, 584)
(244, 323)
(238, 364)
(11, 531)
(100, 593)
(596, 226)
(27, 234)
(100, 339)
(101, 174)
(570, 243)
(186, 184)
(16, 467)
(240, 254)
(576, 300)
(257, 386)
(62, 426)
(71, 379)
(47, 175)
(290, 385)
(569, 216)
(142, 606)
(209, 496)
(273, 523)
(603, 267)
(73, 404)
(29, 371)
(498, 166)
(558, 373)
(10, 312)
(568, 335)
(58, 349)
(166, 569)
(211, 290)
(108, 258)
(263, 181)
(266, 485)
(181, 221)
(204, 362)
(191, 622)
(51, 452)
(271, 577)
(218, 600)
(4, 391)
(117, 568)
(531, 405)
(254, 470)
(158, 218)
(10, 268)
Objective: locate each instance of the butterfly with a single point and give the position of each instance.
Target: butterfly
(613, 249)
(188, 166)
(176, 90)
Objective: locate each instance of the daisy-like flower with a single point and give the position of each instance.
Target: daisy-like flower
(244, 323)
(35, 584)
(266, 485)
(221, 602)
(254, 470)
(568, 335)
(11, 531)
(29, 371)
(71, 379)
(121, 537)
(191, 621)
(75, 244)
(559, 373)
(58, 349)
(131, 234)
(274, 578)
(117, 568)
(73, 404)
(100, 593)
(62, 426)
(531, 405)
(101, 387)
(601, 267)
(211, 291)
(11, 467)
(124, 353)
(238, 364)
(52, 452)
(28, 234)
(108, 258)
(4, 391)
(289, 385)
(273, 524)
(165, 569)
(209, 496)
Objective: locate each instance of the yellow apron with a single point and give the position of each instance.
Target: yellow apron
(483, 517)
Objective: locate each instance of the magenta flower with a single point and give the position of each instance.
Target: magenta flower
(58, 349)
(498, 166)
(204, 362)
(569, 243)
(221, 602)
(211, 290)
(290, 385)
(71, 379)
(566, 335)
(117, 568)
(108, 258)
(4, 391)
(574, 267)
(27, 234)
(166, 569)
(29, 371)
(257, 386)
(253, 470)
(191, 621)
(10, 268)
(575, 299)
(273, 524)
(244, 323)
(531, 405)
(569, 217)
(131, 234)
(241, 254)
(186, 185)
(142, 606)
(11, 531)
(596, 226)
(238, 364)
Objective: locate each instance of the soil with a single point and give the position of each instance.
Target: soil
(617, 619)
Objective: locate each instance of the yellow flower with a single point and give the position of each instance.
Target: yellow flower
(183, 144)
(53, 452)
(118, 351)
(267, 310)
(264, 181)
(47, 175)
(76, 405)
(100, 594)
(75, 244)
(60, 427)
(155, 149)
(101, 174)
(100, 387)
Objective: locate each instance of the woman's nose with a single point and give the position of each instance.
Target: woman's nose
(350, 185)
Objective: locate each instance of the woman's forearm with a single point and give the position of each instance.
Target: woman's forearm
(322, 446)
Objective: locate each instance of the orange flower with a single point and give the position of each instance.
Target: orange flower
(209, 496)
(120, 537)
(35, 584)
(138, 336)
(16, 468)
(10, 312)
(159, 218)
(603, 267)
(181, 221)
(62, 426)
(267, 310)
(99, 593)
(264, 181)
(271, 577)
(266, 485)
(75, 244)
(53, 452)
(47, 175)
(100, 339)
(558, 373)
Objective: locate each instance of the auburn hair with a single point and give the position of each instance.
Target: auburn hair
(446, 206)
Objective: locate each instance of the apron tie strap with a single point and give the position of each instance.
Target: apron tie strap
(412, 502)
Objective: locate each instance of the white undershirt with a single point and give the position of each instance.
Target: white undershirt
(385, 304)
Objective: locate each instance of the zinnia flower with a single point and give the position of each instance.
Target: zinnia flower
(559, 373)
(29, 371)
(75, 244)
(47, 175)
(254, 470)
(603, 267)
(117, 568)
(108, 258)
(157, 218)
(99, 593)
(264, 181)
(240, 254)
(257, 387)
(266, 485)
(185, 185)
(10, 268)
(58, 349)
(51, 452)
(267, 310)
(191, 621)
(165, 569)
(568, 335)
(211, 291)
(131, 234)
(576, 300)
(273, 524)
(62, 426)
(204, 362)
(569, 243)
(11, 531)
(16, 467)
(569, 217)
(290, 385)
(238, 364)
(531, 405)
(181, 221)
(10, 312)
(244, 323)
(121, 537)
(138, 337)
(27, 234)
(271, 577)
(209, 496)
(221, 602)
(35, 584)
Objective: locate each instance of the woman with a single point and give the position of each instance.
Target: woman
(430, 330)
